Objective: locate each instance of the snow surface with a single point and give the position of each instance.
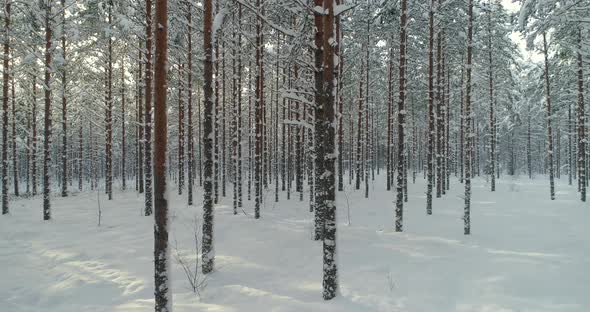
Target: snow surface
(526, 253)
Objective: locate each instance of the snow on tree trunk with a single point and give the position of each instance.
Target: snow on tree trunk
(163, 294)
(328, 177)
(468, 135)
(5, 90)
(399, 206)
(208, 254)
(148, 109)
(47, 130)
(549, 129)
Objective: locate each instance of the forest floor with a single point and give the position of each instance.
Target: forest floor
(526, 253)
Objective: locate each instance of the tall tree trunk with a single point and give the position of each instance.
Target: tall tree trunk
(431, 133)
(47, 130)
(181, 143)
(5, 90)
(109, 112)
(328, 178)
(14, 134)
(189, 88)
(339, 77)
(258, 111)
(389, 163)
(319, 148)
(207, 246)
(123, 130)
(581, 122)
(163, 294)
(549, 129)
(64, 120)
(439, 111)
(492, 125)
(399, 206)
(34, 137)
(468, 135)
(148, 108)
(239, 104)
(359, 150)
(141, 126)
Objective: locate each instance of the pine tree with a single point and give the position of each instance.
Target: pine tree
(468, 131)
(163, 294)
(399, 207)
(328, 177)
(148, 109)
(208, 254)
(5, 90)
(47, 131)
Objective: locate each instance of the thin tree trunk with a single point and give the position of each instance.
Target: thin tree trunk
(258, 103)
(123, 130)
(47, 130)
(581, 122)
(14, 134)
(492, 126)
(64, 120)
(399, 207)
(189, 89)
(469, 136)
(549, 129)
(431, 133)
(148, 108)
(5, 80)
(181, 160)
(109, 113)
(34, 137)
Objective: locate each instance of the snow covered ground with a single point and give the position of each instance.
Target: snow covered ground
(526, 253)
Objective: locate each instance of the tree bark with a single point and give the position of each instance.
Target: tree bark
(549, 129)
(148, 109)
(469, 135)
(208, 254)
(163, 295)
(399, 206)
(328, 178)
(581, 122)
(47, 130)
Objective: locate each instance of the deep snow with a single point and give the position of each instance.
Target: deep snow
(526, 253)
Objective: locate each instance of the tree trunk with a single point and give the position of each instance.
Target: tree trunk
(258, 111)
(181, 160)
(469, 137)
(109, 113)
(319, 148)
(581, 123)
(399, 206)
(189, 88)
(47, 130)
(549, 129)
(328, 178)
(148, 108)
(431, 133)
(5, 81)
(123, 134)
(163, 295)
(492, 127)
(14, 134)
(64, 120)
(207, 246)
